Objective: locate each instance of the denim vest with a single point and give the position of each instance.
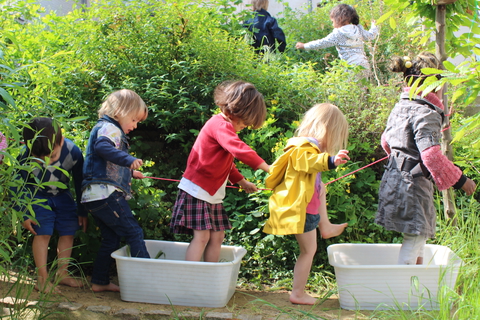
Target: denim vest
(97, 170)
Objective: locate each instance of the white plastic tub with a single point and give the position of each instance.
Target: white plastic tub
(369, 278)
(172, 280)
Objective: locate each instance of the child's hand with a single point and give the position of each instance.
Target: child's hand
(136, 164)
(27, 224)
(300, 45)
(469, 187)
(339, 158)
(373, 21)
(138, 175)
(249, 187)
(264, 166)
(83, 222)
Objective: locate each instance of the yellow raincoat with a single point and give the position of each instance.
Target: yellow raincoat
(292, 178)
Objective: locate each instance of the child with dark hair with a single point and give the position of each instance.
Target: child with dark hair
(58, 159)
(412, 141)
(265, 29)
(348, 36)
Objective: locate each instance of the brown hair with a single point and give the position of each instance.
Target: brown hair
(412, 68)
(45, 134)
(122, 103)
(241, 100)
(259, 4)
(326, 123)
(344, 14)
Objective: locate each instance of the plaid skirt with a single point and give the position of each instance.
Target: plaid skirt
(190, 213)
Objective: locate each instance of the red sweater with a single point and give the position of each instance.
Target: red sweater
(211, 159)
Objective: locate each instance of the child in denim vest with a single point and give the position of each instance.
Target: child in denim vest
(108, 171)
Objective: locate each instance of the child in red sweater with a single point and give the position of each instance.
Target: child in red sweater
(198, 209)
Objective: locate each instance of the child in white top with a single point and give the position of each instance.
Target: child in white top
(348, 36)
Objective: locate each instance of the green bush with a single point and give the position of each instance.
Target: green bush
(174, 53)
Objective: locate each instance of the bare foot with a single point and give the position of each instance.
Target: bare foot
(47, 287)
(71, 282)
(302, 299)
(108, 287)
(332, 230)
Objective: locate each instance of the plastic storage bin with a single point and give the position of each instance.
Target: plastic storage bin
(172, 280)
(369, 278)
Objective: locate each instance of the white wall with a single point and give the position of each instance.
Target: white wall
(61, 7)
(275, 7)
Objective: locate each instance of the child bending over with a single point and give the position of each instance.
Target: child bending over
(199, 207)
(59, 159)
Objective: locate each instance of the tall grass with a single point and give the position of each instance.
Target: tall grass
(463, 302)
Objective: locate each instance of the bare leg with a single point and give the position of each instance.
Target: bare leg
(197, 245)
(40, 254)
(327, 229)
(212, 250)
(308, 246)
(64, 252)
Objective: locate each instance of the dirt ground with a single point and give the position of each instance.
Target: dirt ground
(245, 304)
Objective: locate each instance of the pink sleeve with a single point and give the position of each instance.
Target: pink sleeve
(444, 172)
(385, 145)
(3, 142)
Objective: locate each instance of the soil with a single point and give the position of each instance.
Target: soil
(245, 304)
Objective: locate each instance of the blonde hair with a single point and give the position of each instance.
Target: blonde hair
(326, 123)
(241, 100)
(259, 4)
(122, 103)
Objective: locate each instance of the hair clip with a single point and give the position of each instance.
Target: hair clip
(408, 62)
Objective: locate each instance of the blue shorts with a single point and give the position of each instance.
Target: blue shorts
(311, 222)
(62, 216)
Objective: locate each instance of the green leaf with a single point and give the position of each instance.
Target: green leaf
(7, 97)
(393, 23)
(78, 119)
(449, 66)
(458, 93)
(57, 184)
(384, 17)
(254, 231)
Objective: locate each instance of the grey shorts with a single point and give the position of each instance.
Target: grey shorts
(311, 222)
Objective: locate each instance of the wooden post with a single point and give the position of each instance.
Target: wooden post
(449, 207)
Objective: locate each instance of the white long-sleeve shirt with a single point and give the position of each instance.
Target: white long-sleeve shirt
(349, 41)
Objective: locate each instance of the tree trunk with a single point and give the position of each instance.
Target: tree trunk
(449, 207)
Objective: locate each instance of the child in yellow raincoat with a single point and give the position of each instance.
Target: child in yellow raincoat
(298, 204)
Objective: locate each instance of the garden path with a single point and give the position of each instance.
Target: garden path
(84, 304)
